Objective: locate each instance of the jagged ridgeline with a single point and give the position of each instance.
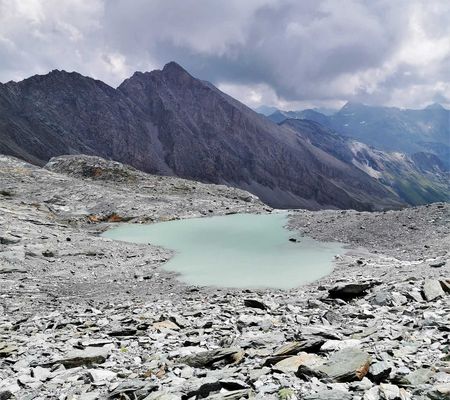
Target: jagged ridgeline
(169, 123)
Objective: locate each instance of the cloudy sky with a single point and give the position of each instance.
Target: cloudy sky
(287, 53)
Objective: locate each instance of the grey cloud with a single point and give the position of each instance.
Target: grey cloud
(313, 51)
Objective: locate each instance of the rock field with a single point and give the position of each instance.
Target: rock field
(85, 318)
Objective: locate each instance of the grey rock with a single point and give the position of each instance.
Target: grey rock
(137, 388)
(9, 239)
(101, 376)
(372, 394)
(41, 374)
(439, 392)
(233, 395)
(6, 349)
(438, 264)
(391, 392)
(233, 384)
(210, 357)
(329, 395)
(289, 349)
(254, 303)
(347, 365)
(418, 377)
(432, 289)
(382, 298)
(7, 269)
(380, 370)
(347, 291)
(88, 356)
(292, 364)
(445, 285)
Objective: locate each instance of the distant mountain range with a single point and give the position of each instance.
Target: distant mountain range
(420, 178)
(386, 128)
(170, 123)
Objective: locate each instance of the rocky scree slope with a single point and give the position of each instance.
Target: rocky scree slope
(169, 123)
(82, 317)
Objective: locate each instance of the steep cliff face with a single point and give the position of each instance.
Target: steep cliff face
(168, 122)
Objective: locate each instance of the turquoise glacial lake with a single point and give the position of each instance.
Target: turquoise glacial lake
(236, 251)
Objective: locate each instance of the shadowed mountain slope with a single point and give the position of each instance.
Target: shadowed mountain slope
(168, 122)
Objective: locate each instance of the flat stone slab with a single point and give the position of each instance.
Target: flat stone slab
(88, 356)
(346, 365)
(291, 364)
(207, 358)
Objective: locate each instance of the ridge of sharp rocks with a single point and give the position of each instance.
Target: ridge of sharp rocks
(83, 190)
(92, 167)
(86, 317)
(169, 123)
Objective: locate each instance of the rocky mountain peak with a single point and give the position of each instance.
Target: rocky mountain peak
(435, 106)
(174, 68)
(173, 72)
(351, 105)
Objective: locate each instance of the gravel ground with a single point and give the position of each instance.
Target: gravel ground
(82, 317)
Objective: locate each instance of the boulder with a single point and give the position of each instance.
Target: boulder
(439, 392)
(6, 349)
(101, 376)
(253, 303)
(346, 365)
(128, 331)
(161, 325)
(437, 264)
(88, 356)
(289, 349)
(348, 291)
(432, 289)
(393, 392)
(291, 364)
(134, 389)
(380, 371)
(210, 357)
(9, 239)
(418, 377)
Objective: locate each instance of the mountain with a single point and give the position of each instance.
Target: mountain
(388, 128)
(170, 123)
(279, 116)
(265, 110)
(420, 178)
